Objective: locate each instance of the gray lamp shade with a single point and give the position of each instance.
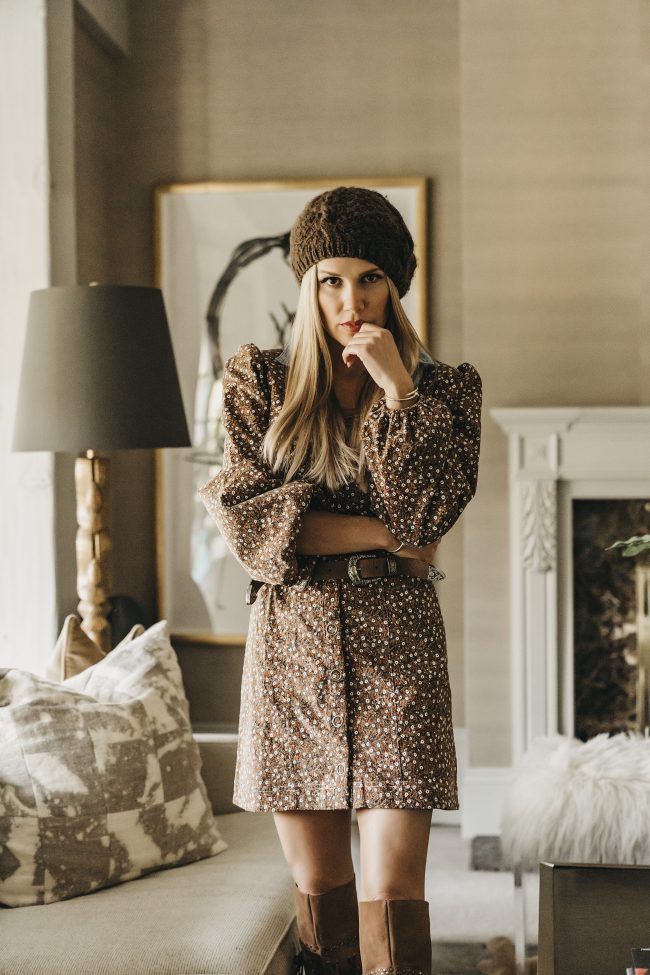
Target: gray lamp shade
(98, 372)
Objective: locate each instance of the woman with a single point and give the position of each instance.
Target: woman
(348, 456)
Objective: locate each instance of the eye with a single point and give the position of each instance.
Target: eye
(330, 279)
(372, 277)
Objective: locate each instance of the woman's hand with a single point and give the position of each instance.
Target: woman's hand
(425, 552)
(376, 348)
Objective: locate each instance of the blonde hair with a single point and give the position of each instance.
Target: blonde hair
(310, 429)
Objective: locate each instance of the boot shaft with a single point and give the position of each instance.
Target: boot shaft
(328, 929)
(395, 937)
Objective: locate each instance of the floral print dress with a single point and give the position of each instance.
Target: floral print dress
(345, 699)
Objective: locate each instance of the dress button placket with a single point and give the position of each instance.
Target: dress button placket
(336, 675)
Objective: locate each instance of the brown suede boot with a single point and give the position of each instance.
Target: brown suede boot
(395, 937)
(328, 928)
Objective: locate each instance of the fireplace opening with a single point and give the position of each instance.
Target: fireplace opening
(610, 611)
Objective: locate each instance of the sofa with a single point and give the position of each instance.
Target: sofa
(230, 914)
(111, 859)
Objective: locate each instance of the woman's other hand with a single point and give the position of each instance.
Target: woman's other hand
(425, 552)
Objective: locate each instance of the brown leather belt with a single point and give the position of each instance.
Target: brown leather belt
(361, 568)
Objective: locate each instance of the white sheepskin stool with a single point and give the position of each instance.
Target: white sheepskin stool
(579, 802)
(576, 802)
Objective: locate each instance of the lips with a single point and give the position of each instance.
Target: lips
(354, 326)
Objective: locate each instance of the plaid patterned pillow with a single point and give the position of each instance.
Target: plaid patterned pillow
(99, 776)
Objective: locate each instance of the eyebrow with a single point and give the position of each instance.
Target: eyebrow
(335, 274)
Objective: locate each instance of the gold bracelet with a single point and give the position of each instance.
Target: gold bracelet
(411, 401)
(414, 392)
(393, 550)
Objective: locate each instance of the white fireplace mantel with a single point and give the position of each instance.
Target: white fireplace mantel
(557, 455)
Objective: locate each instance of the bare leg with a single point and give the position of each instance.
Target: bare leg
(394, 844)
(316, 845)
(394, 928)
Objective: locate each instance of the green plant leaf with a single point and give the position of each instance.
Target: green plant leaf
(633, 545)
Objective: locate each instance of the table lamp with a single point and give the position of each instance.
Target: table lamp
(98, 374)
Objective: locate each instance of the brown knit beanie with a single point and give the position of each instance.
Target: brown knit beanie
(353, 222)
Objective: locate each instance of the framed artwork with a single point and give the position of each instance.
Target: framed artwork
(221, 260)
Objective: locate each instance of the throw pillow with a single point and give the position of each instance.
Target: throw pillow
(74, 650)
(99, 776)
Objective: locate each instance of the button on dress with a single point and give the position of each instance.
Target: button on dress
(345, 699)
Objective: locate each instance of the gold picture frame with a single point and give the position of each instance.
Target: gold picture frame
(220, 260)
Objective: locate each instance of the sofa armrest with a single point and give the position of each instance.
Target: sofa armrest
(219, 757)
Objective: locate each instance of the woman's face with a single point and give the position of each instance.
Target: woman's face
(351, 291)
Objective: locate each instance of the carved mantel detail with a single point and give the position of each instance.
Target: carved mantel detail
(539, 525)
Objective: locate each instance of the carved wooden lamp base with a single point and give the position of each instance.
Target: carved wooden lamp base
(93, 546)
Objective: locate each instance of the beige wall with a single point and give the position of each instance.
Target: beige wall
(525, 116)
(552, 223)
(258, 90)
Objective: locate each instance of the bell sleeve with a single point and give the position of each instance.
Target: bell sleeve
(258, 514)
(423, 461)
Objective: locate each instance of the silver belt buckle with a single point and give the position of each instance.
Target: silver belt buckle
(306, 579)
(435, 575)
(353, 568)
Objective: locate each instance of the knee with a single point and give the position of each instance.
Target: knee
(392, 879)
(308, 882)
(395, 892)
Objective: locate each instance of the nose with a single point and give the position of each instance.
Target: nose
(353, 298)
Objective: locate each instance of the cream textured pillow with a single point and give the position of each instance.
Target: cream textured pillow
(99, 776)
(74, 650)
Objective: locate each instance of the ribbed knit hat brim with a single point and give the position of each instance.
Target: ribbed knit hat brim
(351, 221)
